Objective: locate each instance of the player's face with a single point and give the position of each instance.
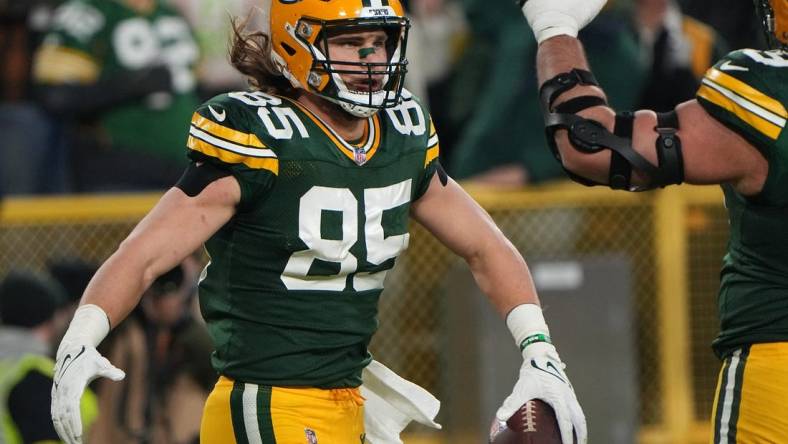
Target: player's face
(359, 47)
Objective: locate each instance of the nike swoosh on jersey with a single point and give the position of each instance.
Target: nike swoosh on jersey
(728, 66)
(220, 116)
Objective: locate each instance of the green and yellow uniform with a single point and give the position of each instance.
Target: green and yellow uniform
(747, 91)
(291, 293)
(91, 40)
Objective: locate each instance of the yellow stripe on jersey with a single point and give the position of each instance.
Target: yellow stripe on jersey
(433, 145)
(372, 136)
(226, 133)
(747, 92)
(265, 163)
(432, 153)
(742, 110)
(229, 145)
(57, 64)
(376, 142)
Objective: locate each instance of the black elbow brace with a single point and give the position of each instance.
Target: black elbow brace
(589, 136)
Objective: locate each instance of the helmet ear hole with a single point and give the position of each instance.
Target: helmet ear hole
(288, 49)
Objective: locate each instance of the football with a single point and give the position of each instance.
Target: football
(533, 423)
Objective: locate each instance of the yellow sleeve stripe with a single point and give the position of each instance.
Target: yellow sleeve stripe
(265, 163)
(57, 64)
(223, 132)
(741, 111)
(746, 92)
(432, 153)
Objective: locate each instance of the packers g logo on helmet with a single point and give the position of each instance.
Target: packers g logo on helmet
(300, 51)
(774, 18)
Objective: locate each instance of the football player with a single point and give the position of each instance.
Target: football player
(125, 68)
(301, 191)
(732, 133)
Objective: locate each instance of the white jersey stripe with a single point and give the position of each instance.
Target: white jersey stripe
(727, 397)
(249, 400)
(229, 146)
(746, 104)
(433, 141)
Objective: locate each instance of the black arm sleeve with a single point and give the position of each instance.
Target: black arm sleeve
(71, 99)
(28, 404)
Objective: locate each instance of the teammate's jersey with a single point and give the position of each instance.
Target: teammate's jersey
(747, 91)
(111, 38)
(291, 293)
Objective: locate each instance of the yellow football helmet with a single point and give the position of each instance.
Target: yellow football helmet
(774, 17)
(300, 49)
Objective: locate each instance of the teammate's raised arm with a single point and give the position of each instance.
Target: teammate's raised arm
(638, 150)
(732, 134)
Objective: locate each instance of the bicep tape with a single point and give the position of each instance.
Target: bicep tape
(198, 176)
(589, 136)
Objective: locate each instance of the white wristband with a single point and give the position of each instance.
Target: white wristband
(526, 320)
(89, 327)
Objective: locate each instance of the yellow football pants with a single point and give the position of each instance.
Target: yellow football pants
(242, 413)
(751, 404)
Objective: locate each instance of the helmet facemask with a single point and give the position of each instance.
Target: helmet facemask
(325, 75)
(773, 15)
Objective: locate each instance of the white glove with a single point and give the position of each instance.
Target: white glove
(78, 366)
(78, 363)
(542, 374)
(392, 403)
(542, 377)
(549, 18)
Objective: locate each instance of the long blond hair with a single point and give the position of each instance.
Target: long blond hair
(250, 54)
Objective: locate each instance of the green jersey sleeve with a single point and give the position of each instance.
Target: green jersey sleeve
(431, 153)
(744, 92)
(224, 132)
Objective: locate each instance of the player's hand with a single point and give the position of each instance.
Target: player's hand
(76, 367)
(542, 377)
(549, 18)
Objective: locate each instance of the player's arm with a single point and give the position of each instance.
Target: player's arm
(179, 223)
(634, 151)
(174, 228)
(456, 220)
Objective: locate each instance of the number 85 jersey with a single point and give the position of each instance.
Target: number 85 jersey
(291, 293)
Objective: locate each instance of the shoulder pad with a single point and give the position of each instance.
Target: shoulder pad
(744, 92)
(226, 129)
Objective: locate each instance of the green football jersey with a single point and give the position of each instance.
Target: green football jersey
(747, 91)
(291, 292)
(119, 39)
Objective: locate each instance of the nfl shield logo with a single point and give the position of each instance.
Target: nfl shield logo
(311, 438)
(359, 156)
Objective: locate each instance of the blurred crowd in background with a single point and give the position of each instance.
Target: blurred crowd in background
(96, 96)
